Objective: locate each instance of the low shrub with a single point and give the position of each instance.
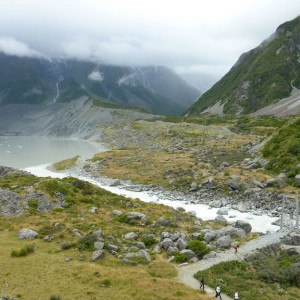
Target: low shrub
(87, 242)
(181, 257)
(24, 251)
(198, 247)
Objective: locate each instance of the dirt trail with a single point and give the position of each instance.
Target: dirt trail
(186, 272)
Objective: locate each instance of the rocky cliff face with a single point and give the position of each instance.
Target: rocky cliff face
(261, 77)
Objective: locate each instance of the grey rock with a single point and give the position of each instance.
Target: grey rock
(172, 250)
(271, 182)
(141, 253)
(223, 242)
(220, 220)
(140, 245)
(117, 212)
(157, 248)
(98, 245)
(97, 255)
(297, 180)
(165, 235)
(282, 180)
(93, 209)
(136, 216)
(131, 236)
(215, 204)
(99, 234)
(48, 238)
(192, 213)
(222, 211)
(162, 222)
(234, 184)
(196, 235)
(209, 235)
(27, 233)
(166, 243)
(232, 232)
(258, 184)
(175, 236)
(246, 226)
(182, 244)
(112, 248)
(191, 254)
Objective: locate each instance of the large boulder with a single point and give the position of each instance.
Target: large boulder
(234, 183)
(297, 180)
(27, 234)
(98, 234)
(162, 222)
(136, 216)
(142, 253)
(166, 243)
(224, 242)
(182, 244)
(232, 232)
(282, 180)
(220, 220)
(191, 254)
(131, 236)
(246, 226)
(209, 235)
(97, 255)
(165, 235)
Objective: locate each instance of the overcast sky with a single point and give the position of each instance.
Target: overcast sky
(190, 36)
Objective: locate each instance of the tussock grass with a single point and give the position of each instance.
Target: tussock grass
(65, 164)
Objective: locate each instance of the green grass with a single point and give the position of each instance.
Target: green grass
(24, 251)
(283, 150)
(268, 277)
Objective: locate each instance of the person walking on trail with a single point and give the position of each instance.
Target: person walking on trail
(202, 283)
(236, 296)
(218, 292)
(235, 246)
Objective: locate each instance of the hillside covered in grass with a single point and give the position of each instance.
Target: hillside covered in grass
(67, 214)
(262, 76)
(283, 150)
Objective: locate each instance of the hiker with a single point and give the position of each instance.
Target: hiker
(202, 283)
(218, 292)
(236, 296)
(235, 246)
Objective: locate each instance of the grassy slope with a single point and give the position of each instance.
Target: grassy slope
(245, 278)
(45, 272)
(283, 150)
(174, 155)
(269, 70)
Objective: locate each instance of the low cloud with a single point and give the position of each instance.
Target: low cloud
(96, 76)
(11, 46)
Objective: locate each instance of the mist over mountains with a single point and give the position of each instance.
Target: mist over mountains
(30, 80)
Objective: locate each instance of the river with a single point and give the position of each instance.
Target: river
(36, 154)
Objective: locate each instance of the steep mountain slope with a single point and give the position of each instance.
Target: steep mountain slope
(260, 77)
(40, 81)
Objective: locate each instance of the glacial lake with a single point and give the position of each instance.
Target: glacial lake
(27, 151)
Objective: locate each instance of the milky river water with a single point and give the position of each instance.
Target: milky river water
(36, 154)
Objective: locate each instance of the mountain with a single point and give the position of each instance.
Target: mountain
(261, 77)
(39, 81)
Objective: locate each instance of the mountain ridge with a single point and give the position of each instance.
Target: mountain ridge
(260, 77)
(39, 81)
